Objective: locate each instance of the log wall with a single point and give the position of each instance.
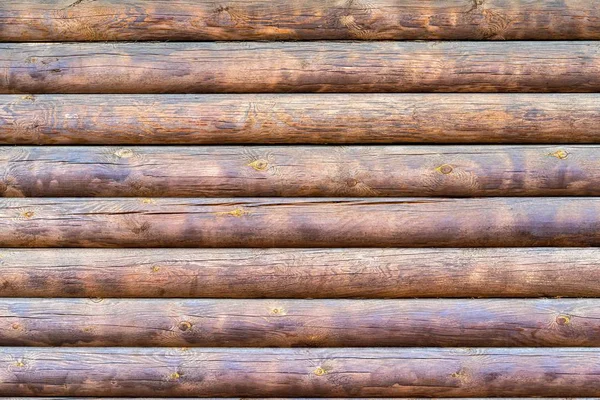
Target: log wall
(308, 199)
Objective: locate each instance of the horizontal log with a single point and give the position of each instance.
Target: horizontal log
(299, 323)
(300, 273)
(300, 171)
(69, 20)
(300, 118)
(348, 372)
(310, 222)
(262, 67)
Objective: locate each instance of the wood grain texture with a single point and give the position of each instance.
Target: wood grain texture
(69, 20)
(262, 67)
(299, 323)
(300, 273)
(300, 118)
(300, 171)
(349, 372)
(310, 222)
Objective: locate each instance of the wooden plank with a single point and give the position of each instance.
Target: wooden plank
(300, 118)
(68, 20)
(262, 67)
(349, 372)
(299, 323)
(255, 171)
(300, 273)
(309, 222)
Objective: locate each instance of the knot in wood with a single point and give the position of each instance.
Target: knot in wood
(259, 165)
(351, 182)
(185, 326)
(563, 320)
(445, 169)
(560, 154)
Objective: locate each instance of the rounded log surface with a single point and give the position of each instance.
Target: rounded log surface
(300, 273)
(348, 372)
(300, 171)
(299, 323)
(308, 222)
(262, 67)
(300, 118)
(84, 20)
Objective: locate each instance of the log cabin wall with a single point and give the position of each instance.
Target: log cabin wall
(338, 198)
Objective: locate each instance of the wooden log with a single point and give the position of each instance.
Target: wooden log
(310, 222)
(300, 118)
(300, 171)
(348, 372)
(299, 323)
(262, 67)
(72, 20)
(300, 273)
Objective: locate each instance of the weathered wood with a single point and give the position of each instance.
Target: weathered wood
(300, 118)
(262, 67)
(354, 372)
(300, 273)
(300, 171)
(310, 222)
(82, 20)
(299, 323)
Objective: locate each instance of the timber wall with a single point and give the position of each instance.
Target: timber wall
(274, 199)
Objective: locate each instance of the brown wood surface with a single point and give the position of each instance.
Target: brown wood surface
(300, 273)
(284, 171)
(83, 20)
(263, 67)
(299, 323)
(309, 222)
(300, 118)
(354, 372)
